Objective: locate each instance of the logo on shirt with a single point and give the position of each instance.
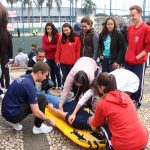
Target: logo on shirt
(136, 40)
(36, 98)
(19, 79)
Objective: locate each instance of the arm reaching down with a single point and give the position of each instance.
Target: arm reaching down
(39, 114)
(81, 102)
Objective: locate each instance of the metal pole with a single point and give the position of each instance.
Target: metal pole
(32, 16)
(110, 7)
(144, 4)
(76, 10)
(23, 27)
(60, 18)
(41, 20)
(70, 11)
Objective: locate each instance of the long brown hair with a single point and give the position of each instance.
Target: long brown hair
(4, 38)
(105, 30)
(82, 78)
(107, 80)
(71, 36)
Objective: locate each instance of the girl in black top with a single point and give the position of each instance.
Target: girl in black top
(112, 46)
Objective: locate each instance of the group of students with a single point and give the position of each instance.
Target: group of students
(116, 89)
(113, 107)
(62, 51)
(109, 46)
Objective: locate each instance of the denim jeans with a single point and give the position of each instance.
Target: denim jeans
(50, 98)
(106, 65)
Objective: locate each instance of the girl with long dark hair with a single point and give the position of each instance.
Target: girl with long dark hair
(68, 50)
(117, 109)
(49, 44)
(112, 46)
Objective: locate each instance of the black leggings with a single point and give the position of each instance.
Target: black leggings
(25, 110)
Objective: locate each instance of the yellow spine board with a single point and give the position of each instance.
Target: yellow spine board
(83, 138)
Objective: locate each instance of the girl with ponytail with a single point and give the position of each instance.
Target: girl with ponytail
(118, 110)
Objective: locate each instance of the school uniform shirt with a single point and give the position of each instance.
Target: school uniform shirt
(69, 52)
(22, 59)
(138, 40)
(86, 64)
(127, 130)
(126, 80)
(50, 46)
(22, 90)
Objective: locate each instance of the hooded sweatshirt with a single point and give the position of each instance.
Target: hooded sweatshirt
(127, 131)
(77, 28)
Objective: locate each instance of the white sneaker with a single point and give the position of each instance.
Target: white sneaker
(16, 126)
(2, 96)
(43, 129)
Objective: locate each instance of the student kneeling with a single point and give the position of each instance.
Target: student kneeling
(21, 99)
(118, 110)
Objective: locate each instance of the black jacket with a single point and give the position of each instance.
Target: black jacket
(117, 47)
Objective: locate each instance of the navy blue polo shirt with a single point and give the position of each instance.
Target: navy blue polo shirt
(22, 90)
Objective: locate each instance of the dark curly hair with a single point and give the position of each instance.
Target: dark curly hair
(54, 30)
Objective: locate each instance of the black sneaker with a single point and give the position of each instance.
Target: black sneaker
(137, 105)
(1, 92)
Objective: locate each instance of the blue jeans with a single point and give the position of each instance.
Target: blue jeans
(106, 65)
(50, 98)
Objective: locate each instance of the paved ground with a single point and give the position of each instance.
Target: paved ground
(25, 140)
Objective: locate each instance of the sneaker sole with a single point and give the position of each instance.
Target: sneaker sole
(42, 132)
